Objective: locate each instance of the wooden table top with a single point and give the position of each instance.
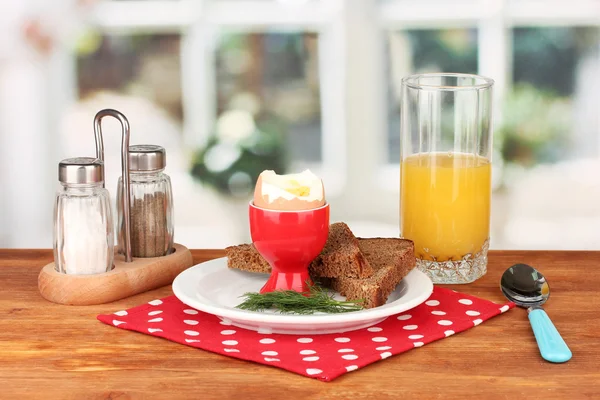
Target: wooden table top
(62, 352)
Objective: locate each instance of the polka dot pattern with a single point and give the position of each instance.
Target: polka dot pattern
(379, 339)
(324, 357)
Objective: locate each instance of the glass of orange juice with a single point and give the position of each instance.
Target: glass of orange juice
(445, 173)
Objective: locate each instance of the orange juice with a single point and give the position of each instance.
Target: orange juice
(445, 204)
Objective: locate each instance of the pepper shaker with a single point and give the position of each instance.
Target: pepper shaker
(151, 203)
(83, 224)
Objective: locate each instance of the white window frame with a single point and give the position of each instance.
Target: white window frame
(354, 120)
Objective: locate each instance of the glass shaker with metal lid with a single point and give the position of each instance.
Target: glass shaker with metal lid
(83, 225)
(151, 203)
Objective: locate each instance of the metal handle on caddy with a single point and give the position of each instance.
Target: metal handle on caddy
(124, 166)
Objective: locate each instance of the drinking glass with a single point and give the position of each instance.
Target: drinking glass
(445, 178)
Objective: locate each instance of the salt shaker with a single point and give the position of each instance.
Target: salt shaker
(151, 203)
(83, 224)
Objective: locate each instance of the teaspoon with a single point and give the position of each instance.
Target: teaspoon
(527, 288)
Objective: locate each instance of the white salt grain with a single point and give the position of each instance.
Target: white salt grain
(86, 247)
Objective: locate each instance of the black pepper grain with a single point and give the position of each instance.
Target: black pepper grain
(149, 228)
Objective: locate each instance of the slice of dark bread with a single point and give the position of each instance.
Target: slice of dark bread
(246, 258)
(341, 256)
(391, 258)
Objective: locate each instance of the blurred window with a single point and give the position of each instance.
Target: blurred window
(248, 85)
(147, 66)
(274, 76)
(551, 110)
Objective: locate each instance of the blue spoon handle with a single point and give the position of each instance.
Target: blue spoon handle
(552, 346)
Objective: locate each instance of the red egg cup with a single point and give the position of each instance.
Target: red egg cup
(289, 241)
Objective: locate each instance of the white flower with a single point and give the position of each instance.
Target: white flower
(221, 157)
(245, 101)
(235, 125)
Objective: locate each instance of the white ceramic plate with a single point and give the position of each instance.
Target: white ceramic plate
(215, 289)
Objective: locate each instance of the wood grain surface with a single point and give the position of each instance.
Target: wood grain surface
(51, 351)
(125, 279)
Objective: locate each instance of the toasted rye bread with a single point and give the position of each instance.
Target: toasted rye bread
(340, 257)
(245, 257)
(391, 258)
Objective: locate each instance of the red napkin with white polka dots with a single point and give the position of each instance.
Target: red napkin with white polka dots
(324, 357)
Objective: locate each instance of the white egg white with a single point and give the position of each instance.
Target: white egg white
(273, 186)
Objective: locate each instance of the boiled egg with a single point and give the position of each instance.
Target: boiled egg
(290, 192)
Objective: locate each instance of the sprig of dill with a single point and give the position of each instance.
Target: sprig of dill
(291, 302)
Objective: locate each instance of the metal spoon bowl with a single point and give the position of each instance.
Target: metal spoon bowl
(527, 288)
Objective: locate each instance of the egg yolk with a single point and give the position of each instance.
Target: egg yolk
(297, 189)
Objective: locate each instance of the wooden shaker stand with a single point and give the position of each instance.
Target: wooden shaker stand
(129, 276)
